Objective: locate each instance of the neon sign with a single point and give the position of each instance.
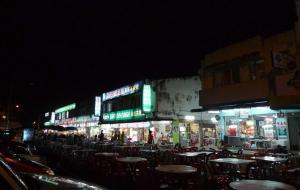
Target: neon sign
(97, 106)
(124, 115)
(147, 99)
(66, 108)
(130, 89)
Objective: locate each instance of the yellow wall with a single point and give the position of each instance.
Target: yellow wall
(279, 42)
(235, 50)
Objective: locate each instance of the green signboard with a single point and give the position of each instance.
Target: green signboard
(47, 123)
(66, 108)
(147, 99)
(124, 115)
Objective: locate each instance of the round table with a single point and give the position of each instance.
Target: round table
(270, 159)
(193, 156)
(260, 184)
(234, 164)
(131, 163)
(234, 161)
(180, 172)
(131, 159)
(108, 154)
(189, 154)
(176, 169)
(148, 151)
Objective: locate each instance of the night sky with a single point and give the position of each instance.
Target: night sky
(54, 52)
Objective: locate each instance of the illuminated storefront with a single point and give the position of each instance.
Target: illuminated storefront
(125, 110)
(161, 106)
(256, 127)
(84, 116)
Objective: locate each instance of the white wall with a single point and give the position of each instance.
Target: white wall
(176, 97)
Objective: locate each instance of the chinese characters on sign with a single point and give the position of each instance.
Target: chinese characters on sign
(130, 89)
(281, 126)
(124, 115)
(147, 99)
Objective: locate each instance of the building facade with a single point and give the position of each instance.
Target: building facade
(161, 106)
(253, 87)
(83, 115)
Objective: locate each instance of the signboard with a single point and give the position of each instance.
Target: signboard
(47, 123)
(126, 90)
(124, 115)
(52, 120)
(66, 108)
(147, 99)
(283, 60)
(281, 126)
(97, 105)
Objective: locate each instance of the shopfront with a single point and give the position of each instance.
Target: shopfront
(127, 110)
(256, 127)
(139, 131)
(85, 125)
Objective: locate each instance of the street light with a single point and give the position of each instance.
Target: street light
(17, 106)
(3, 116)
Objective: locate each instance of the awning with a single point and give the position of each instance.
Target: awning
(285, 102)
(257, 103)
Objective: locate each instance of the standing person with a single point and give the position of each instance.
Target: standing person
(122, 137)
(101, 136)
(150, 137)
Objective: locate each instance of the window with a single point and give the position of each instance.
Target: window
(242, 69)
(222, 77)
(123, 103)
(235, 74)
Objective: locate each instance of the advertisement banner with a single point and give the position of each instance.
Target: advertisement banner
(281, 126)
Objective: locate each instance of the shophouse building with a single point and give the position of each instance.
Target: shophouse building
(83, 115)
(253, 86)
(161, 106)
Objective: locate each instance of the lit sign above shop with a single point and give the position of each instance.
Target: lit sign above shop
(147, 99)
(47, 123)
(66, 108)
(130, 89)
(97, 106)
(52, 117)
(82, 121)
(124, 115)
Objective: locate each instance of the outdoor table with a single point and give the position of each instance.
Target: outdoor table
(233, 161)
(271, 166)
(234, 151)
(148, 151)
(281, 155)
(193, 155)
(270, 159)
(108, 154)
(130, 160)
(260, 184)
(83, 153)
(180, 171)
(151, 156)
(131, 164)
(176, 169)
(247, 154)
(234, 164)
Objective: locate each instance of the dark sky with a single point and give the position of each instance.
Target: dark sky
(54, 52)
